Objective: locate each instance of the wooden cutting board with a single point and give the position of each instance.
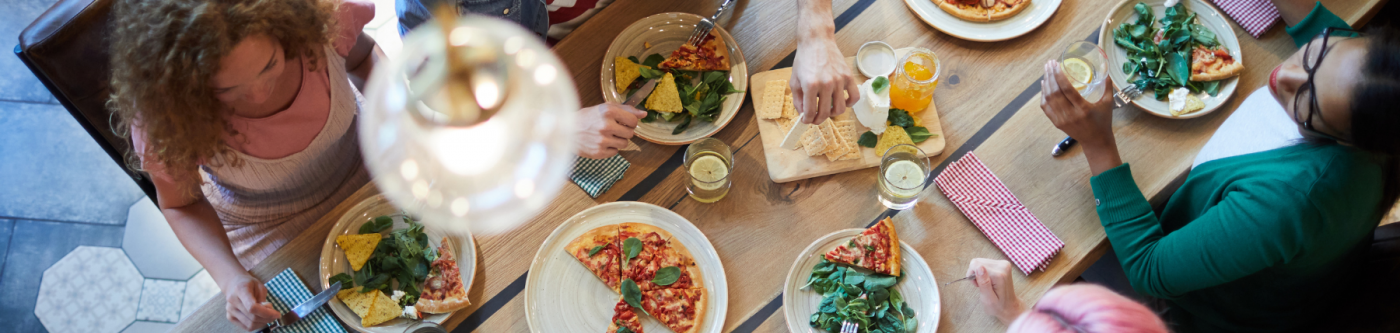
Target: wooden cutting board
(785, 165)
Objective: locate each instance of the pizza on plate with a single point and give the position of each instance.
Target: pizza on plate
(443, 291)
(672, 289)
(599, 251)
(876, 249)
(679, 309)
(624, 320)
(1213, 64)
(710, 55)
(983, 10)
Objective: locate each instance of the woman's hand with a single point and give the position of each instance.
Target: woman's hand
(822, 85)
(248, 308)
(993, 280)
(1089, 123)
(605, 128)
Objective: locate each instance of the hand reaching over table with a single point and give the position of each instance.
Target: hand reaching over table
(247, 303)
(822, 84)
(1089, 123)
(605, 128)
(993, 280)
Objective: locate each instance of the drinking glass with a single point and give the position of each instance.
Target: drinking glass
(903, 173)
(708, 161)
(915, 77)
(1097, 63)
(424, 327)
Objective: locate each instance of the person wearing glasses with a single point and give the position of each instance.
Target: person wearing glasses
(1270, 224)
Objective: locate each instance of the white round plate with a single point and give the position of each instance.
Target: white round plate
(333, 260)
(666, 32)
(918, 287)
(563, 296)
(1208, 16)
(1025, 21)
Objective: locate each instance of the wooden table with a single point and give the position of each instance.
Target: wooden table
(989, 103)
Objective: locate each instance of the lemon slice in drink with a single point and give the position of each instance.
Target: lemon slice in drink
(1078, 72)
(708, 170)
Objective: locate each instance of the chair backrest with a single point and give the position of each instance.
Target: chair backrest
(66, 48)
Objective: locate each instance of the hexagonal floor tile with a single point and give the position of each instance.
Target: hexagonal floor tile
(67, 301)
(153, 247)
(160, 300)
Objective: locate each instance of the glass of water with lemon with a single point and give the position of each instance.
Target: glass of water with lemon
(903, 172)
(708, 161)
(1086, 67)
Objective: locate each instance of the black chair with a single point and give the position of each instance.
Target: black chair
(66, 48)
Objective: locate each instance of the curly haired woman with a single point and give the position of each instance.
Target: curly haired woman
(243, 113)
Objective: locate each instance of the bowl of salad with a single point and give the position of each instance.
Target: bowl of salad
(1184, 57)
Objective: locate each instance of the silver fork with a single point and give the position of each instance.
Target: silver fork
(849, 327)
(1127, 94)
(703, 28)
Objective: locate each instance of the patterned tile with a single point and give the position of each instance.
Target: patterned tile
(160, 300)
(67, 301)
(152, 246)
(198, 291)
(53, 170)
(34, 246)
(148, 327)
(16, 81)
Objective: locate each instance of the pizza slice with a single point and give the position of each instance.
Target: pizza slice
(970, 10)
(710, 55)
(651, 241)
(624, 319)
(669, 266)
(1004, 9)
(681, 310)
(876, 249)
(1213, 64)
(443, 291)
(599, 251)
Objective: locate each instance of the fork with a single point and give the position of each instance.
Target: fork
(849, 327)
(703, 28)
(1127, 94)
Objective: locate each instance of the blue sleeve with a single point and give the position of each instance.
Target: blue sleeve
(1318, 19)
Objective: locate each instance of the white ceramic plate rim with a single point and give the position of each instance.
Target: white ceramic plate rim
(738, 75)
(1024, 22)
(1213, 20)
(466, 265)
(717, 289)
(931, 307)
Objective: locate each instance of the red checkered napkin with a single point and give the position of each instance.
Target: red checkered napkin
(994, 210)
(1255, 16)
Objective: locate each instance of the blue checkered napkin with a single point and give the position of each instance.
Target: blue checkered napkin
(286, 291)
(597, 176)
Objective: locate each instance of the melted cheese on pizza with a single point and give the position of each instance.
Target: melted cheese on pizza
(697, 58)
(870, 249)
(673, 307)
(623, 316)
(1205, 60)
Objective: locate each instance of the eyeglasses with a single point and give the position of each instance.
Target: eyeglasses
(1311, 61)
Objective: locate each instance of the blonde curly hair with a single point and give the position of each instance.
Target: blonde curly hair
(164, 53)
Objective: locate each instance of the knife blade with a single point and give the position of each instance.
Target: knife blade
(641, 93)
(303, 309)
(794, 135)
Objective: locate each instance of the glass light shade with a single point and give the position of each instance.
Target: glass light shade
(479, 148)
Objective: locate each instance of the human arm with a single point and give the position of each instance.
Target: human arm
(198, 228)
(997, 292)
(1254, 226)
(1089, 123)
(604, 129)
(822, 84)
(1306, 18)
(360, 63)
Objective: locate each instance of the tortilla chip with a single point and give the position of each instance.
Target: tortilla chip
(358, 248)
(893, 135)
(357, 302)
(381, 310)
(666, 98)
(789, 111)
(625, 72)
(773, 93)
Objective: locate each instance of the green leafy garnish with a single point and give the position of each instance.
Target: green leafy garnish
(595, 250)
(649, 73)
(867, 299)
(702, 94)
(900, 118)
(634, 59)
(653, 60)
(868, 139)
(666, 276)
(377, 225)
(880, 84)
(400, 261)
(631, 248)
(632, 294)
(623, 329)
(346, 281)
(1159, 59)
(919, 134)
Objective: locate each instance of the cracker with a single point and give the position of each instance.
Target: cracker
(836, 146)
(813, 143)
(789, 111)
(851, 134)
(773, 93)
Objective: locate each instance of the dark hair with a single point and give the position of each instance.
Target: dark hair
(1374, 116)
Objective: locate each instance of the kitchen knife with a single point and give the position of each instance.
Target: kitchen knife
(641, 93)
(304, 309)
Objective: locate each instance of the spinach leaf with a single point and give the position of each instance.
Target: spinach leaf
(666, 276)
(879, 281)
(649, 73)
(631, 247)
(900, 118)
(653, 60)
(868, 140)
(623, 329)
(346, 282)
(634, 59)
(919, 134)
(1212, 87)
(880, 84)
(685, 123)
(595, 250)
(376, 225)
(1180, 69)
(632, 294)
(651, 116)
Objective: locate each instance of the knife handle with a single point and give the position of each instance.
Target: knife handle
(267, 329)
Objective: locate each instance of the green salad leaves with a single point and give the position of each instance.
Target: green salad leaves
(702, 93)
(400, 261)
(867, 299)
(1161, 66)
(901, 118)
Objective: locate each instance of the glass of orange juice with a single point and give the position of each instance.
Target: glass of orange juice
(911, 87)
